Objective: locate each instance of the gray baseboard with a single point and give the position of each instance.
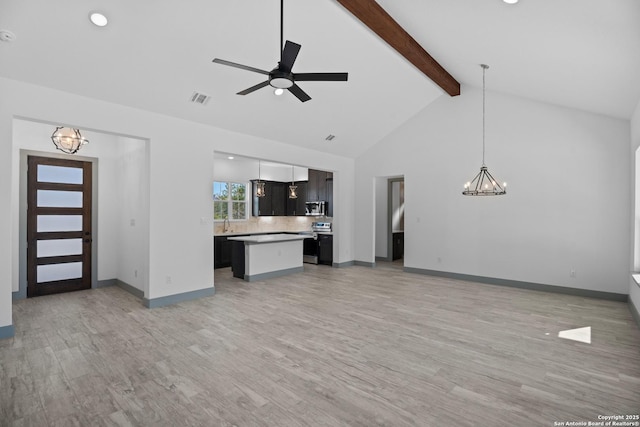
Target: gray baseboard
(384, 258)
(634, 312)
(365, 264)
(132, 290)
(105, 283)
(272, 274)
(122, 285)
(19, 294)
(177, 298)
(7, 332)
(343, 264)
(522, 285)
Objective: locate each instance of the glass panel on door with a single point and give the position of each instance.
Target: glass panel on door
(59, 199)
(53, 272)
(59, 247)
(59, 223)
(59, 174)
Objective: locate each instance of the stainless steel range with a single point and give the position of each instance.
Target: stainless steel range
(318, 247)
(321, 227)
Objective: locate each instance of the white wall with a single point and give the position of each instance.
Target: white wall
(180, 230)
(132, 228)
(634, 288)
(36, 137)
(567, 206)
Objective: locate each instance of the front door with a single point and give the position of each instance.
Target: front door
(58, 225)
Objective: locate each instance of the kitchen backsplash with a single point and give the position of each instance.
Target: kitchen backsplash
(265, 224)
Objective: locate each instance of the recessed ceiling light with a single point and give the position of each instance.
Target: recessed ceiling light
(278, 91)
(510, 1)
(230, 157)
(98, 19)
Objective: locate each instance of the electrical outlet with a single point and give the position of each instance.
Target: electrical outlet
(439, 260)
(132, 222)
(167, 280)
(135, 273)
(572, 273)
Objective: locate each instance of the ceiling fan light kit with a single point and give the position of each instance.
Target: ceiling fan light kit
(483, 184)
(282, 77)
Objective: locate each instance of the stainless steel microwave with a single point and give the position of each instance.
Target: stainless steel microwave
(316, 208)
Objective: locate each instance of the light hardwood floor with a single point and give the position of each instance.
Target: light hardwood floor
(328, 347)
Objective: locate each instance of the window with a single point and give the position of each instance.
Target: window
(229, 201)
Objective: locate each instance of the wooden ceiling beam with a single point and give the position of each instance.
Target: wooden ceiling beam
(380, 22)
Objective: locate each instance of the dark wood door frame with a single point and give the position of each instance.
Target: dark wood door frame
(33, 236)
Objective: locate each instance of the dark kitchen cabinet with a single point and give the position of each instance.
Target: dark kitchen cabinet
(398, 245)
(279, 191)
(274, 203)
(312, 185)
(325, 249)
(222, 252)
(329, 199)
(317, 187)
(237, 259)
(296, 207)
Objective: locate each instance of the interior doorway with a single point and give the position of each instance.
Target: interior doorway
(59, 225)
(389, 221)
(395, 225)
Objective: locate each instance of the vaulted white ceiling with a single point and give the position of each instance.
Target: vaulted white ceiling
(153, 55)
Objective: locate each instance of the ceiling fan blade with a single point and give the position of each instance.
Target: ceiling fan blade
(242, 67)
(289, 55)
(299, 93)
(254, 88)
(320, 77)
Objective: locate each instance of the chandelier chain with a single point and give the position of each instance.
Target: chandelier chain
(484, 69)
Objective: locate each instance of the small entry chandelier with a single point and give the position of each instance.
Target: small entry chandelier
(293, 187)
(260, 184)
(484, 184)
(68, 140)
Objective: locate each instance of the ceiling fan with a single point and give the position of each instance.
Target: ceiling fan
(282, 77)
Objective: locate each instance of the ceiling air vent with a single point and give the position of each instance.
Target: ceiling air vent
(200, 98)
(330, 138)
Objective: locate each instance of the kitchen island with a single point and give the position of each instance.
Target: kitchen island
(265, 256)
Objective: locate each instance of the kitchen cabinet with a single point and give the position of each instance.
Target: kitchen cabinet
(274, 203)
(317, 185)
(296, 207)
(329, 190)
(398, 245)
(320, 188)
(325, 249)
(222, 252)
(312, 186)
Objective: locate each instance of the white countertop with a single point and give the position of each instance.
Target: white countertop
(268, 238)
